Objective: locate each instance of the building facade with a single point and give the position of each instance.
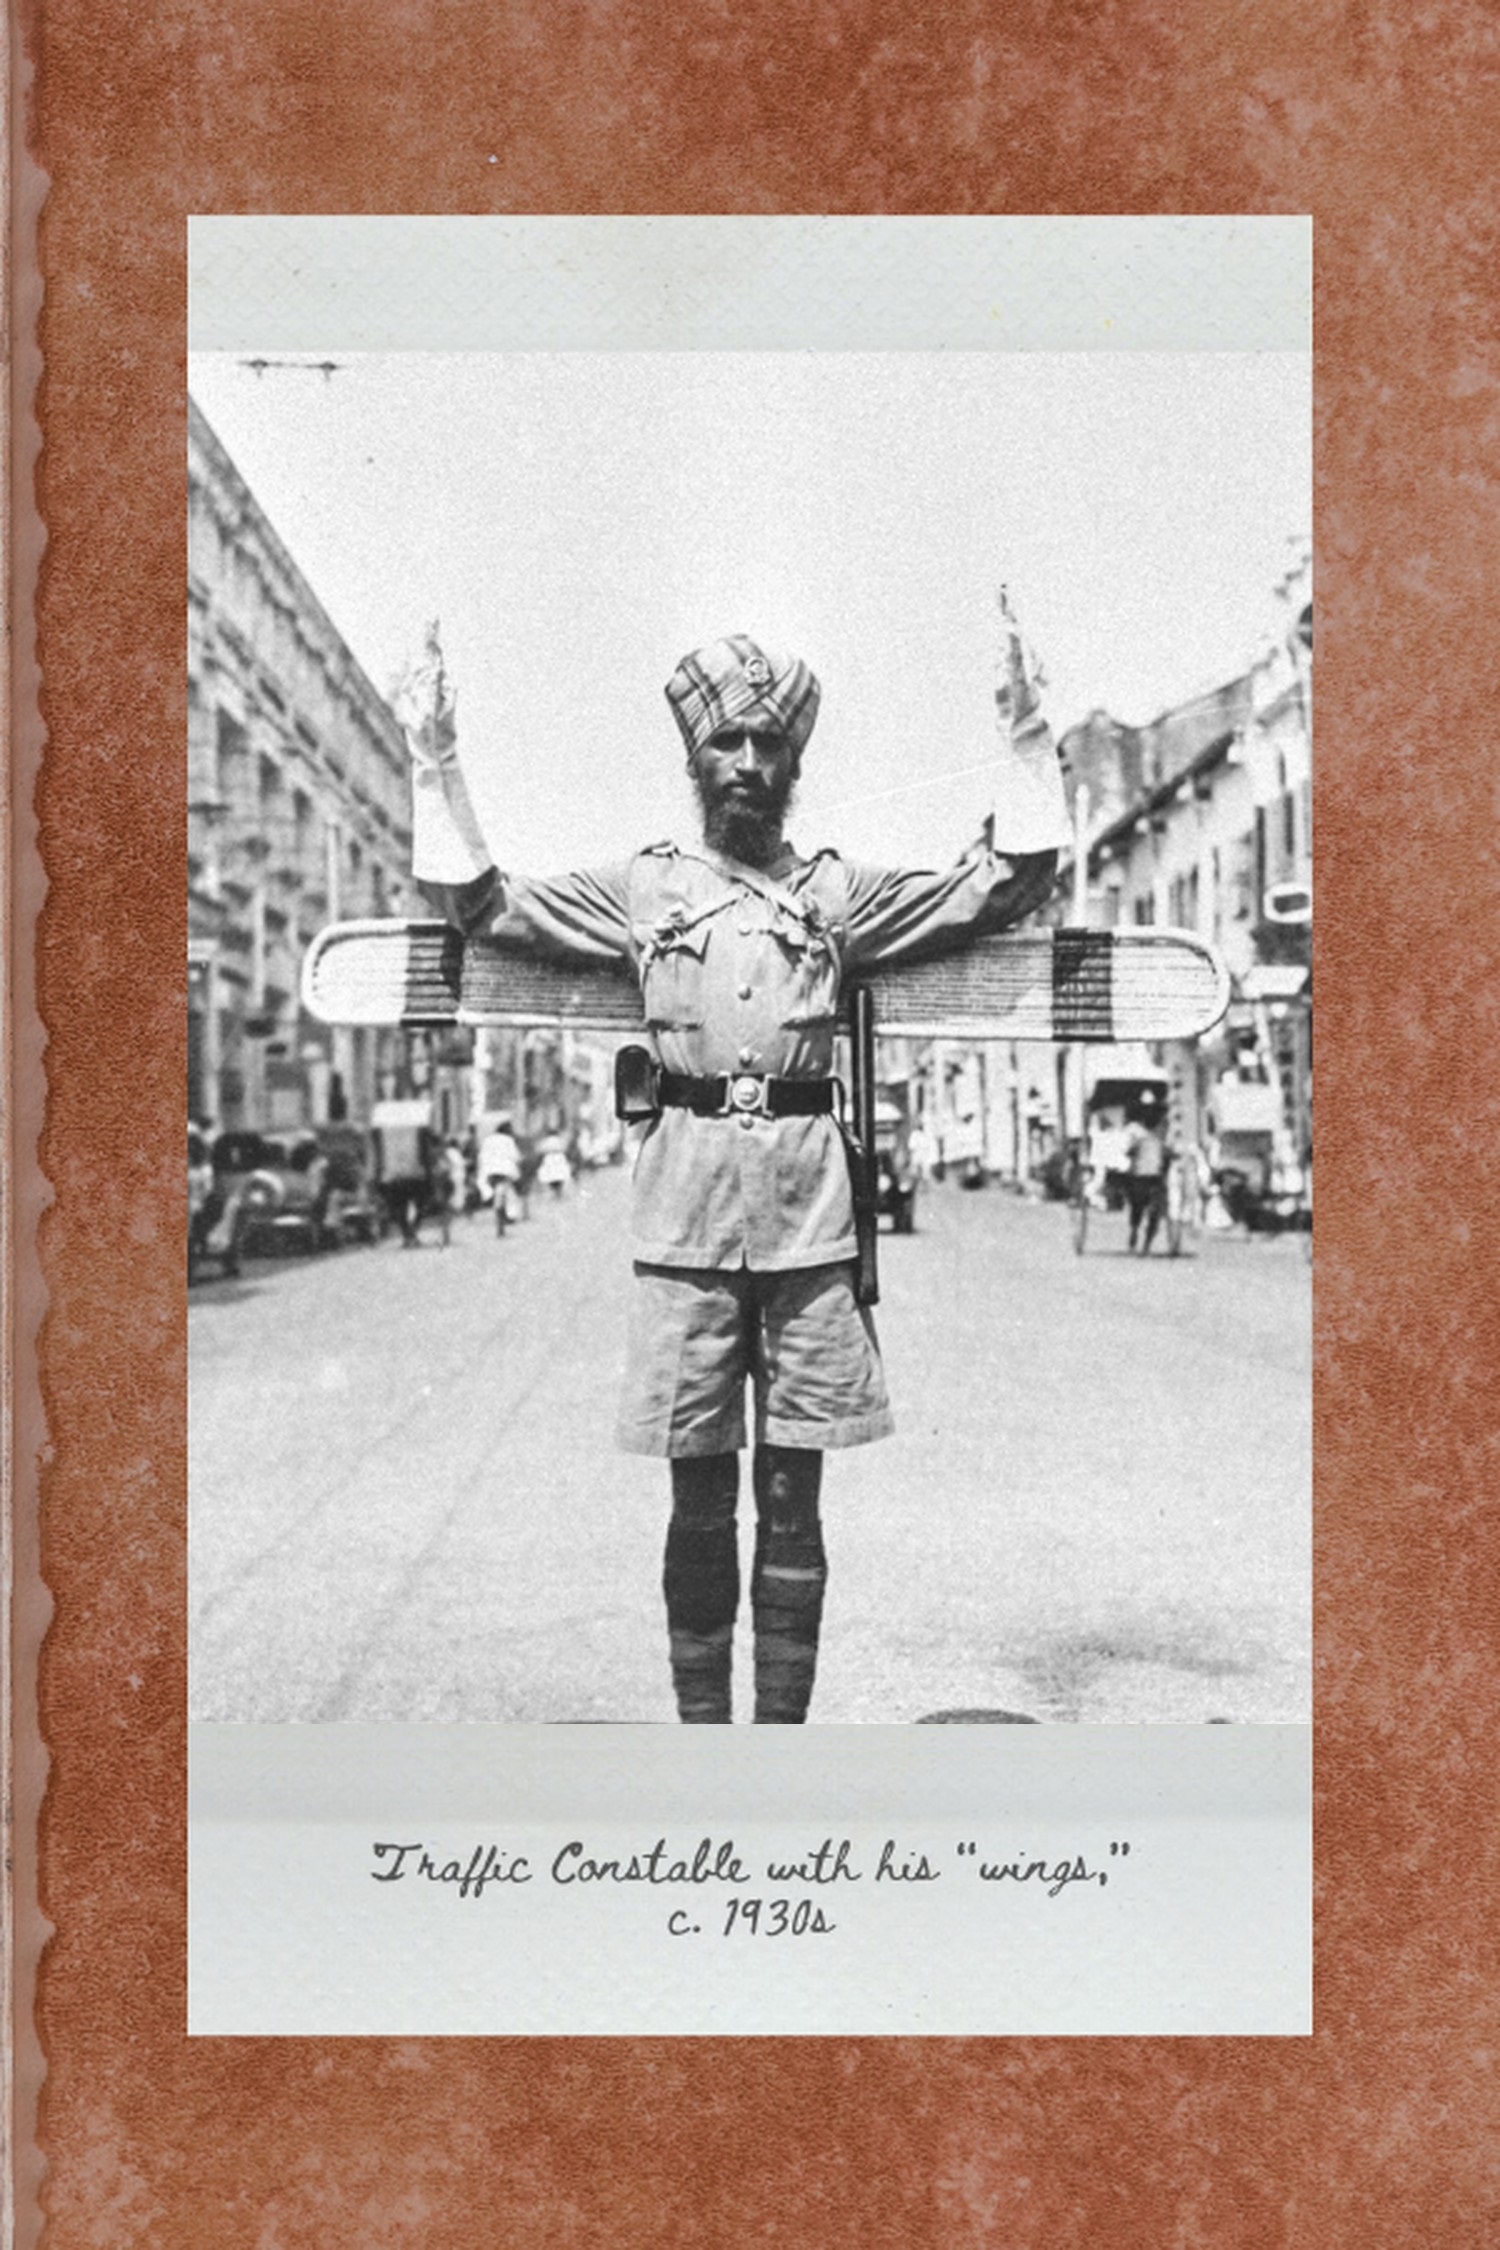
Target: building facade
(550, 1081)
(298, 815)
(1219, 841)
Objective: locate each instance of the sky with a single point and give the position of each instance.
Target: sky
(576, 521)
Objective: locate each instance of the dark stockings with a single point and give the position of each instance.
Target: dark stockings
(701, 1581)
(786, 1588)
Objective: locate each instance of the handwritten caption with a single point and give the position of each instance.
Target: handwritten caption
(719, 1872)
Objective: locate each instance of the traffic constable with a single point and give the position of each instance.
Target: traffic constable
(743, 1227)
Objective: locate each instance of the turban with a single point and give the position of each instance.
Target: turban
(735, 680)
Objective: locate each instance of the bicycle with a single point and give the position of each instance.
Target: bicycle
(1078, 1205)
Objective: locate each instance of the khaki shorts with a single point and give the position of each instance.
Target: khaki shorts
(697, 1338)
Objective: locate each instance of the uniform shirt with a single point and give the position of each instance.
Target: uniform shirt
(741, 971)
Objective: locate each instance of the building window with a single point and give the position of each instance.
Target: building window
(270, 791)
(302, 844)
(234, 767)
(1182, 900)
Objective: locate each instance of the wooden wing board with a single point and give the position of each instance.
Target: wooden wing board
(1088, 985)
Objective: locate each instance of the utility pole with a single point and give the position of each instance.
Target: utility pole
(1072, 1093)
(1082, 813)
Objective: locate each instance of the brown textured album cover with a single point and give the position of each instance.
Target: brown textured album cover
(1380, 2129)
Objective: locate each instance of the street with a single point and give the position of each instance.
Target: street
(405, 1502)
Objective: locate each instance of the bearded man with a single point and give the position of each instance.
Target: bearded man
(743, 1223)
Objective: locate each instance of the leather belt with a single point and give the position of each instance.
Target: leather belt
(743, 1094)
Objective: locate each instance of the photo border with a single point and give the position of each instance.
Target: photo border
(1193, 292)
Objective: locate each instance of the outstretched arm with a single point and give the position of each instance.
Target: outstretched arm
(899, 914)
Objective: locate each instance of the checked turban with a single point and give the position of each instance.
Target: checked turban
(736, 679)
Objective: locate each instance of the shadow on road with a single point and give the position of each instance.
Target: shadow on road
(977, 1719)
(221, 1290)
(1069, 1671)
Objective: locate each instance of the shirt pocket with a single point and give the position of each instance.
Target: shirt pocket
(809, 966)
(671, 969)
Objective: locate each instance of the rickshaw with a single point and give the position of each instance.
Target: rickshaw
(1099, 1167)
(406, 1160)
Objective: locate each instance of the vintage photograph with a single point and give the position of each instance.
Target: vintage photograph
(750, 1037)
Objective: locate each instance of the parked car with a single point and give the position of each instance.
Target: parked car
(216, 1211)
(895, 1170)
(282, 1185)
(1260, 1183)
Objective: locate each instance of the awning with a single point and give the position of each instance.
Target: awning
(1240, 1106)
(1273, 980)
(397, 1113)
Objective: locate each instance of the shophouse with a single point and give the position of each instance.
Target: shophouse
(298, 815)
(1218, 840)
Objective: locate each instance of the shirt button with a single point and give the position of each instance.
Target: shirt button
(746, 1123)
(746, 991)
(747, 1057)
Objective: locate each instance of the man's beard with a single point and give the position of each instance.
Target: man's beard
(745, 827)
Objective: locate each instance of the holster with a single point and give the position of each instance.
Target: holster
(637, 1086)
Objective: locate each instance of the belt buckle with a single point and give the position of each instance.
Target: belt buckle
(744, 1095)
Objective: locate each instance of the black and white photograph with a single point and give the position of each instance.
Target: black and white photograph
(750, 1094)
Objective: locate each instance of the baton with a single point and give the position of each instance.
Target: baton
(862, 1178)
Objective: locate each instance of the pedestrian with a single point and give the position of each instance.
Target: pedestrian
(1146, 1179)
(457, 1169)
(743, 1227)
(553, 1169)
(500, 1170)
(447, 1187)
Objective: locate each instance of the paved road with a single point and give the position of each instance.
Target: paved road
(405, 1502)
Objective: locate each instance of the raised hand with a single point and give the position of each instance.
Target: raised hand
(1030, 814)
(1018, 697)
(426, 706)
(448, 847)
